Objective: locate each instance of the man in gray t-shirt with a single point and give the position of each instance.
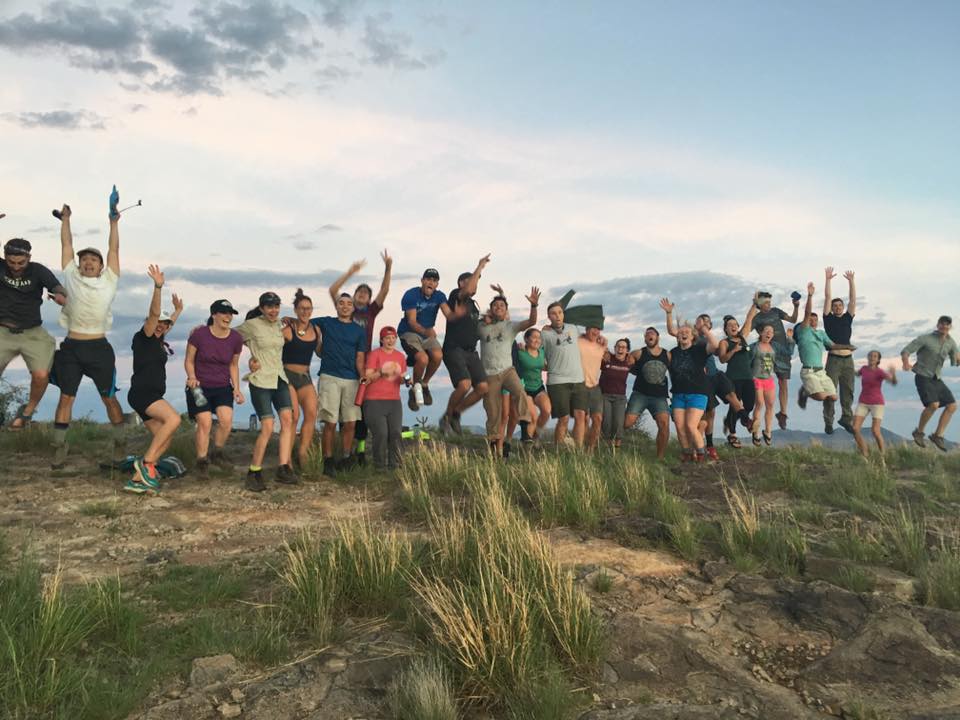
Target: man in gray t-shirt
(568, 394)
(769, 315)
(496, 354)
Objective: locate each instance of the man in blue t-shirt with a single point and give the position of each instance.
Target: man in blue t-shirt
(812, 342)
(420, 306)
(341, 367)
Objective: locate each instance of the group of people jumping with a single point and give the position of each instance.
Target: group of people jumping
(560, 370)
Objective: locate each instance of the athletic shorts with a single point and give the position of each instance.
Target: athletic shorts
(817, 381)
(264, 400)
(412, 343)
(689, 401)
(336, 396)
(864, 409)
(91, 358)
(781, 366)
(762, 384)
(464, 365)
(298, 380)
(140, 399)
(216, 397)
(35, 345)
(655, 405)
(534, 393)
(565, 398)
(933, 390)
(595, 400)
(721, 385)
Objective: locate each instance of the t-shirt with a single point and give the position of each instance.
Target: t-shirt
(394, 366)
(871, 382)
(591, 358)
(711, 367)
(530, 368)
(738, 367)
(811, 344)
(563, 355)
(839, 329)
(496, 345)
(426, 307)
(341, 343)
(87, 310)
(651, 371)
(774, 317)
(462, 332)
(22, 296)
(366, 318)
(687, 370)
(149, 363)
(214, 356)
(613, 376)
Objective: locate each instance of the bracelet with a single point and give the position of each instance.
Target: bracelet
(534, 304)
(157, 287)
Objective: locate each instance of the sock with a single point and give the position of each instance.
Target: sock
(255, 468)
(709, 438)
(60, 433)
(701, 452)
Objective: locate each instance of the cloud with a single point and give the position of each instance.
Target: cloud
(305, 245)
(137, 107)
(327, 228)
(388, 48)
(58, 119)
(337, 13)
(251, 278)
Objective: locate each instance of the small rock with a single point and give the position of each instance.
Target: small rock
(207, 671)
(229, 710)
(335, 665)
(237, 694)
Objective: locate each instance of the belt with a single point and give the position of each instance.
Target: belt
(808, 367)
(14, 330)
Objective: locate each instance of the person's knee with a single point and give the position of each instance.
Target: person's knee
(952, 407)
(266, 426)
(933, 407)
(481, 388)
(436, 355)
(173, 420)
(204, 422)
(40, 375)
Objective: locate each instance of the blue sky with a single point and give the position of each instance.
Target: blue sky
(591, 145)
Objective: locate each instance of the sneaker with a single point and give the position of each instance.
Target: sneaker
(149, 485)
(329, 467)
(445, 425)
(802, 398)
(145, 472)
(918, 438)
(712, 454)
(828, 428)
(203, 466)
(287, 476)
(254, 481)
(938, 441)
(455, 423)
(846, 425)
(506, 450)
(782, 420)
(412, 400)
(135, 486)
(427, 397)
(60, 456)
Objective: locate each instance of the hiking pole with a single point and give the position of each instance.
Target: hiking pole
(139, 203)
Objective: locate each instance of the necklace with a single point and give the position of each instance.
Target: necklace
(300, 332)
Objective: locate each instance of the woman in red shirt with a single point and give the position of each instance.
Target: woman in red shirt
(382, 409)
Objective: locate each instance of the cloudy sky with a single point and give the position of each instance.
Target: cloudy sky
(630, 149)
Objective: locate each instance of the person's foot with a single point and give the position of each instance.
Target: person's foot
(828, 428)
(802, 396)
(445, 425)
(60, 457)
(938, 441)
(756, 440)
(145, 472)
(345, 464)
(768, 439)
(846, 425)
(918, 438)
(21, 420)
(782, 420)
(506, 450)
(746, 420)
(455, 423)
(712, 454)
(203, 467)
(133, 485)
(412, 400)
(330, 467)
(427, 397)
(254, 481)
(286, 475)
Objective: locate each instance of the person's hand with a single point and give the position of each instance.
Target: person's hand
(153, 272)
(431, 333)
(534, 297)
(484, 261)
(192, 383)
(254, 364)
(848, 275)
(387, 260)
(906, 365)
(810, 288)
(828, 273)
(666, 305)
(497, 288)
(238, 397)
(177, 303)
(65, 211)
(356, 266)
(290, 322)
(59, 298)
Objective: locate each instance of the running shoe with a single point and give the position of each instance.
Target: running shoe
(938, 441)
(136, 487)
(427, 397)
(782, 420)
(828, 428)
(254, 481)
(203, 466)
(918, 438)
(455, 423)
(287, 476)
(802, 396)
(412, 400)
(846, 425)
(446, 425)
(712, 453)
(145, 472)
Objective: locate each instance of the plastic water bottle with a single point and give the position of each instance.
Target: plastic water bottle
(199, 399)
(418, 393)
(253, 422)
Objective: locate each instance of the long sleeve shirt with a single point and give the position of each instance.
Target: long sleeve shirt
(932, 350)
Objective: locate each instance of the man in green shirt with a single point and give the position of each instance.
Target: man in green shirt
(812, 342)
(932, 351)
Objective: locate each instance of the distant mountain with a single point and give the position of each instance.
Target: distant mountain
(840, 440)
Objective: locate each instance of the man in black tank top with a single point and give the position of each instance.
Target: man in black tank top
(651, 364)
(838, 324)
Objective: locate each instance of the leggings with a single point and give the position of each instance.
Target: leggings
(384, 420)
(614, 411)
(747, 393)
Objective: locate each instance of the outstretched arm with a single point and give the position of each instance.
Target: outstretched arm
(748, 320)
(385, 283)
(474, 280)
(852, 301)
(808, 308)
(66, 238)
(153, 314)
(534, 299)
(796, 312)
(177, 309)
(668, 307)
(113, 250)
(828, 275)
(712, 343)
(342, 280)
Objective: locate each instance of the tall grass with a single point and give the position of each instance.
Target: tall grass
(906, 529)
(941, 576)
(423, 691)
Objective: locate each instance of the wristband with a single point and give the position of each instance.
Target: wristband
(157, 287)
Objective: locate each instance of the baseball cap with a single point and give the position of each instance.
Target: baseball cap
(269, 298)
(431, 273)
(17, 246)
(164, 317)
(388, 330)
(223, 306)
(90, 251)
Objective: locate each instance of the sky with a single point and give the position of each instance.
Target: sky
(623, 149)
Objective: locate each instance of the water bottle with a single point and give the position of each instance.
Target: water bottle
(199, 399)
(418, 393)
(361, 394)
(253, 422)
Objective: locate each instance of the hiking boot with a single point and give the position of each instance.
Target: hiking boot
(329, 467)
(60, 456)
(445, 425)
(286, 475)
(254, 481)
(802, 398)
(712, 454)
(846, 425)
(427, 397)
(918, 438)
(455, 423)
(828, 428)
(506, 450)
(412, 401)
(782, 420)
(203, 467)
(938, 441)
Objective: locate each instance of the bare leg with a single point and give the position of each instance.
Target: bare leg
(307, 397)
(419, 366)
(114, 411)
(877, 435)
(346, 437)
(948, 412)
(224, 426)
(163, 423)
(560, 430)
(39, 380)
(579, 426)
(663, 434)
(436, 356)
(542, 401)
(858, 436)
(286, 436)
(260, 444)
(201, 439)
(928, 412)
(784, 386)
(680, 422)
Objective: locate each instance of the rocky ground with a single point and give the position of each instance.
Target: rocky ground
(687, 641)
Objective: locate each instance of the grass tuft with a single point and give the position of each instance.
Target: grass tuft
(424, 691)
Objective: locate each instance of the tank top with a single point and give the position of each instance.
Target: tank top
(530, 369)
(651, 371)
(739, 366)
(763, 362)
(299, 351)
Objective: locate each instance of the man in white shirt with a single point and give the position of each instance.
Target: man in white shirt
(91, 287)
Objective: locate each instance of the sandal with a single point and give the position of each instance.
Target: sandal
(733, 441)
(768, 439)
(24, 419)
(756, 440)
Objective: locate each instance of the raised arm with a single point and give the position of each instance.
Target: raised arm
(342, 280)
(748, 320)
(66, 238)
(828, 275)
(153, 314)
(177, 308)
(808, 308)
(385, 283)
(796, 312)
(534, 299)
(712, 343)
(473, 281)
(852, 300)
(113, 249)
(668, 307)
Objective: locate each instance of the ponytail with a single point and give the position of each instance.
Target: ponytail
(210, 321)
(255, 313)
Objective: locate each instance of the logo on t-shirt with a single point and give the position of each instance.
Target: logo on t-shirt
(654, 372)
